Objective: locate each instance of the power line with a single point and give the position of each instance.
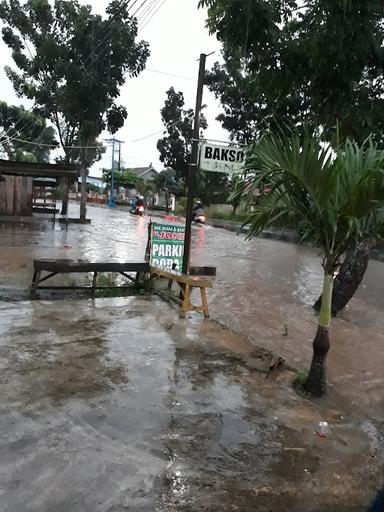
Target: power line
(146, 23)
(145, 11)
(138, 9)
(108, 34)
(161, 131)
(53, 146)
(169, 74)
(152, 7)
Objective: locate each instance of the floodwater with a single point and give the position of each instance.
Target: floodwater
(113, 405)
(261, 286)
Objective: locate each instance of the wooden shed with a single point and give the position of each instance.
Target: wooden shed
(17, 183)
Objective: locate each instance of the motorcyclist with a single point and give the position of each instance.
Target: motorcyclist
(197, 209)
(139, 201)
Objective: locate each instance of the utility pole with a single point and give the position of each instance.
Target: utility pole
(111, 202)
(193, 164)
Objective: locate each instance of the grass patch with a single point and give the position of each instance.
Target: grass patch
(300, 380)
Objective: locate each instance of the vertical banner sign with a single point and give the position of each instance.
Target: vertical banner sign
(227, 159)
(167, 246)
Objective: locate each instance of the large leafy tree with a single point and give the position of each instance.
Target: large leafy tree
(334, 199)
(176, 147)
(318, 62)
(18, 126)
(72, 63)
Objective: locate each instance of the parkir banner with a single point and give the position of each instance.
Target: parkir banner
(227, 159)
(167, 247)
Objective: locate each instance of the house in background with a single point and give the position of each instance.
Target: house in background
(145, 173)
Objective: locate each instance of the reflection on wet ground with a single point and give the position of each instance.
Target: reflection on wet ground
(113, 404)
(261, 286)
(127, 408)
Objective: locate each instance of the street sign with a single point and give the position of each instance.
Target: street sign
(216, 158)
(167, 247)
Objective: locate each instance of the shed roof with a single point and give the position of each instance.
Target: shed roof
(41, 170)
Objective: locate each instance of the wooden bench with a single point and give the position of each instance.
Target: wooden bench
(55, 267)
(187, 284)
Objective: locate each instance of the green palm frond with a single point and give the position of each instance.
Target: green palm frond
(334, 197)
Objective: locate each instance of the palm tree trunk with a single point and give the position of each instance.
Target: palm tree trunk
(83, 197)
(316, 384)
(350, 275)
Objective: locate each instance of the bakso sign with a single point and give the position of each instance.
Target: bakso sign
(228, 159)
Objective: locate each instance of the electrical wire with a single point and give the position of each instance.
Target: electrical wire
(97, 147)
(108, 27)
(138, 9)
(161, 131)
(152, 7)
(144, 12)
(53, 146)
(168, 74)
(148, 20)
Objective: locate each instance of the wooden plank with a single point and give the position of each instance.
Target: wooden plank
(76, 266)
(197, 282)
(202, 271)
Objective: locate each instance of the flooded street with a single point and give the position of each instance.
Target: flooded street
(113, 405)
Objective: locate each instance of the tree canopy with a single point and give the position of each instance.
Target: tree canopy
(319, 62)
(19, 125)
(176, 147)
(124, 178)
(72, 63)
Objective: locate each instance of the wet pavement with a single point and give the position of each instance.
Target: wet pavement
(116, 404)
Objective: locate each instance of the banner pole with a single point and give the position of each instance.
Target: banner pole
(193, 164)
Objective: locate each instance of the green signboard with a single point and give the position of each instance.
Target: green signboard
(167, 247)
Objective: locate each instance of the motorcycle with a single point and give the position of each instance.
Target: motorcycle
(199, 217)
(137, 210)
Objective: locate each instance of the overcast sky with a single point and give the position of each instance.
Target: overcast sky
(177, 36)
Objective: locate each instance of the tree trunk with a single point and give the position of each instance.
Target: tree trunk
(64, 205)
(350, 275)
(83, 197)
(316, 384)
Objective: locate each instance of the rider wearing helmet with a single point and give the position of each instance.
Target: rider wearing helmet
(139, 201)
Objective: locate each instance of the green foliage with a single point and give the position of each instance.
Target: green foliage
(318, 62)
(72, 64)
(300, 380)
(21, 124)
(124, 178)
(166, 181)
(334, 198)
(181, 206)
(176, 147)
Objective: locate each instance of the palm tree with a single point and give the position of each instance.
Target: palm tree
(335, 198)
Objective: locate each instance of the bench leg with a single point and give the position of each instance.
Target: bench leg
(186, 306)
(204, 301)
(94, 281)
(35, 283)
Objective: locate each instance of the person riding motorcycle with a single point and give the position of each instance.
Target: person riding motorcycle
(198, 210)
(139, 201)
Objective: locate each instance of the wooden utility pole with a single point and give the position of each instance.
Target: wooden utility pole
(193, 164)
